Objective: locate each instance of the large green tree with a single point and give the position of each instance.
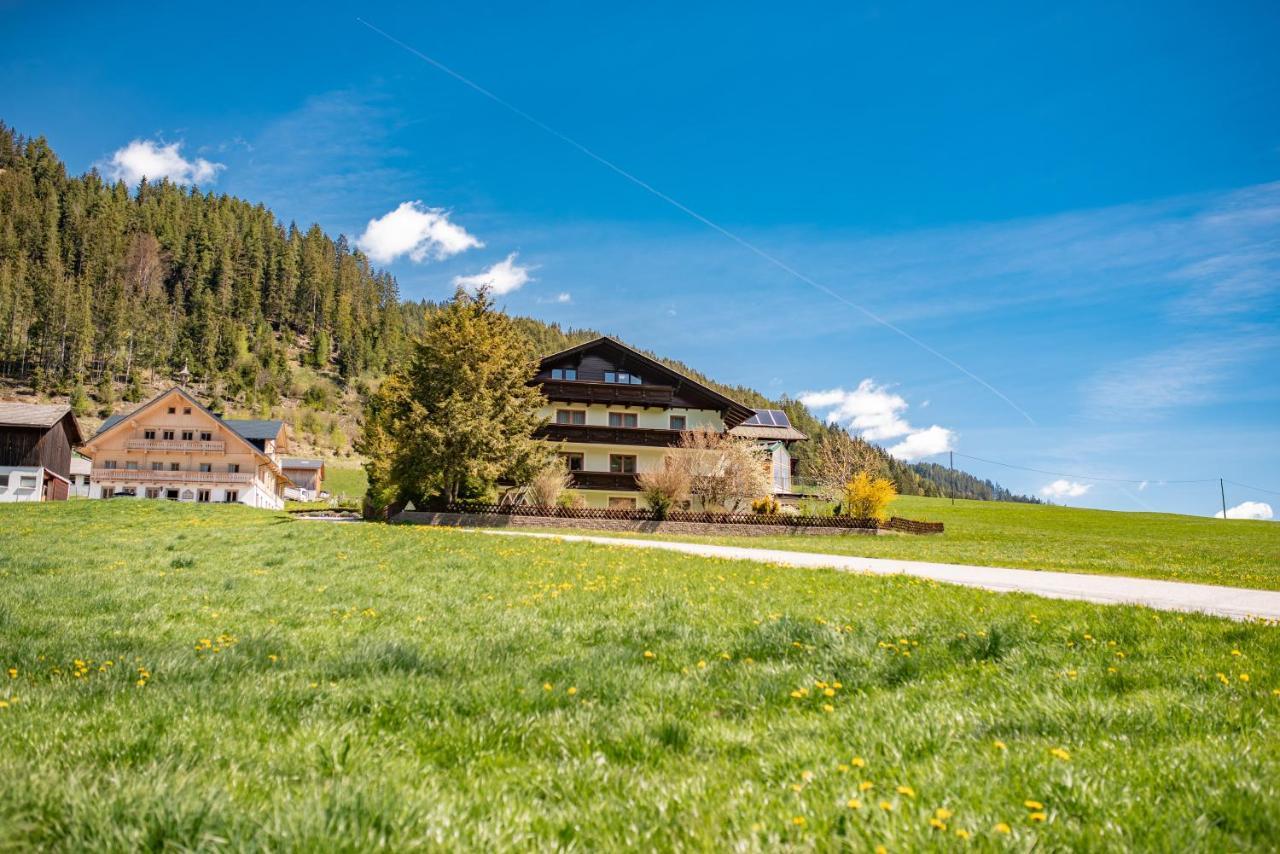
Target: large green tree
(459, 413)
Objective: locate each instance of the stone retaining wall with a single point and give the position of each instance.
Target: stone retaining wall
(494, 520)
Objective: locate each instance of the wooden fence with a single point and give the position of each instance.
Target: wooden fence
(780, 520)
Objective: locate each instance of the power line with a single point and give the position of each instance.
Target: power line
(1085, 476)
(1254, 488)
(744, 243)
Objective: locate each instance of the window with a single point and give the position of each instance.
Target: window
(232, 496)
(622, 464)
(573, 462)
(127, 492)
(153, 492)
(233, 467)
(155, 466)
(678, 422)
(171, 494)
(131, 465)
(202, 495)
(168, 435)
(622, 419)
(623, 377)
(27, 481)
(571, 416)
(172, 410)
(617, 502)
(206, 467)
(148, 434)
(108, 464)
(564, 373)
(173, 467)
(188, 435)
(186, 410)
(206, 437)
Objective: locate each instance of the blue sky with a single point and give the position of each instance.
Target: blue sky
(1079, 205)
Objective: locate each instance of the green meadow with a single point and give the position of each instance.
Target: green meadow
(186, 678)
(1237, 553)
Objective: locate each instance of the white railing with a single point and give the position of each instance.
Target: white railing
(141, 475)
(175, 445)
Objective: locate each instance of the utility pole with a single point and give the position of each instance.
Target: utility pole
(1223, 490)
(952, 455)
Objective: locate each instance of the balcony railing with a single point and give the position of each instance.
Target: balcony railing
(184, 476)
(604, 480)
(648, 437)
(216, 447)
(591, 392)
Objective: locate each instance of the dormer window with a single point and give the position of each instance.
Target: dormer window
(564, 373)
(622, 378)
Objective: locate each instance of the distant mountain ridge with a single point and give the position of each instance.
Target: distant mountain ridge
(106, 292)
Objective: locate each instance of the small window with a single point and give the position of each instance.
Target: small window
(148, 434)
(678, 422)
(206, 437)
(131, 465)
(202, 495)
(233, 467)
(27, 481)
(573, 462)
(206, 467)
(171, 494)
(155, 466)
(564, 373)
(153, 492)
(232, 496)
(173, 467)
(571, 416)
(186, 410)
(617, 502)
(108, 464)
(172, 410)
(168, 435)
(188, 435)
(622, 464)
(622, 377)
(622, 419)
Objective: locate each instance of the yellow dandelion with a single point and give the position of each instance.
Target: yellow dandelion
(799, 821)
(1222, 677)
(828, 708)
(858, 762)
(1002, 827)
(1236, 652)
(1037, 817)
(880, 849)
(13, 672)
(828, 692)
(962, 833)
(1244, 677)
(854, 804)
(943, 813)
(806, 775)
(842, 768)
(1060, 753)
(1033, 805)
(547, 686)
(866, 786)
(572, 691)
(886, 806)
(4, 704)
(648, 654)
(906, 790)
(1000, 745)
(702, 664)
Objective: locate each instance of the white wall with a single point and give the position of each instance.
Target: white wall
(12, 479)
(652, 417)
(253, 496)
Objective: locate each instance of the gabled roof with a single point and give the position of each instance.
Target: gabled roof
(37, 415)
(251, 429)
(734, 412)
(258, 427)
(769, 424)
(293, 463)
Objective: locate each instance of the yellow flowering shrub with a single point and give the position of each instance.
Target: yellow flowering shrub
(867, 497)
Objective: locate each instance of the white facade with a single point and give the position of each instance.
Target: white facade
(21, 483)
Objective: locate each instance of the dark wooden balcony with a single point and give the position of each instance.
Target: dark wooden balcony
(598, 434)
(604, 480)
(581, 391)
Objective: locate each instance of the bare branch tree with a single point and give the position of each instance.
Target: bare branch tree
(724, 471)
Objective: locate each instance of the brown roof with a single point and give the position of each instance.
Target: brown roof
(36, 415)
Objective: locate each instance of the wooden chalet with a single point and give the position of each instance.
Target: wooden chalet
(35, 451)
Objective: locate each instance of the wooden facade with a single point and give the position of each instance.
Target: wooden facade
(36, 442)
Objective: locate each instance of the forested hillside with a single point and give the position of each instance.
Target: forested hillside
(106, 292)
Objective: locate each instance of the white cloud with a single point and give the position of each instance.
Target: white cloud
(563, 297)
(1248, 510)
(144, 158)
(876, 414)
(923, 443)
(1065, 489)
(502, 278)
(417, 231)
(1142, 487)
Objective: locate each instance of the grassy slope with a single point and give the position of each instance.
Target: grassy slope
(993, 533)
(412, 686)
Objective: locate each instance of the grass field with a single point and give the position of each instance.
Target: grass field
(1238, 553)
(346, 480)
(217, 677)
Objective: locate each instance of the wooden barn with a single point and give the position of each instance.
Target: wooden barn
(35, 451)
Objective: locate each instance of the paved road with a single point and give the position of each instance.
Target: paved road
(1233, 602)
